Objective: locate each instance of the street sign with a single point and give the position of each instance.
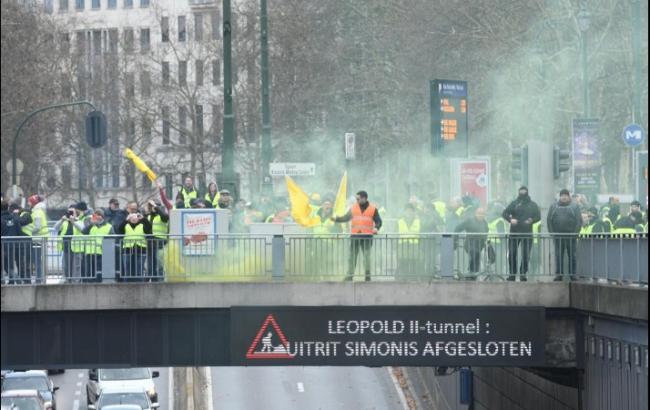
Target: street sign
(474, 176)
(350, 138)
(14, 192)
(19, 166)
(292, 169)
(633, 135)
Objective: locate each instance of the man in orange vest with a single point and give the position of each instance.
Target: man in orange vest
(364, 223)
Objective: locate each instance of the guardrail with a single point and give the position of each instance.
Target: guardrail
(233, 257)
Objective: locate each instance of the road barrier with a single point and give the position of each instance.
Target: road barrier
(337, 257)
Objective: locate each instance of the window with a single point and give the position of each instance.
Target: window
(198, 120)
(63, 6)
(214, 19)
(145, 83)
(198, 70)
(112, 4)
(97, 42)
(96, 4)
(128, 40)
(165, 73)
(198, 27)
(182, 34)
(48, 6)
(128, 4)
(216, 72)
(112, 41)
(182, 125)
(129, 86)
(165, 125)
(145, 40)
(80, 4)
(164, 27)
(65, 43)
(182, 73)
(144, 4)
(80, 39)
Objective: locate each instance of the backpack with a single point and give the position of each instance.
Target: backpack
(564, 219)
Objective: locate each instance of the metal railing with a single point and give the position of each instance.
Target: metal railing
(242, 257)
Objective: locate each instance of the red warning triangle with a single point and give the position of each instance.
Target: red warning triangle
(268, 350)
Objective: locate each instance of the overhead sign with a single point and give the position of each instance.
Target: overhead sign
(449, 116)
(387, 336)
(586, 157)
(633, 135)
(350, 138)
(474, 179)
(292, 169)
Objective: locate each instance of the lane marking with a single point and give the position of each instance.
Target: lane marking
(170, 387)
(208, 382)
(78, 384)
(77, 393)
(301, 387)
(80, 375)
(75, 405)
(398, 388)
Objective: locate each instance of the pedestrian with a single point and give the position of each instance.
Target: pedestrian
(564, 221)
(212, 196)
(39, 232)
(478, 229)
(364, 223)
(408, 244)
(113, 214)
(12, 239)
(629, 225)
(189, 191)
(134, 233)
(521, 213)
(23, 246)
(97, 228)
(225, 200)
(588, 222)
(80, 221)
(64, 230)
(179, 202)
(158, 217)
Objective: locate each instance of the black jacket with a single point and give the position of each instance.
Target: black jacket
(115, 217)
(523, 210)
(12, 223)
(572, 226)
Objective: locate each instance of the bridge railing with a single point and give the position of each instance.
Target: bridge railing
(242, 257)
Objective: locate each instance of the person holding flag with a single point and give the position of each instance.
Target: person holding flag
(364, 223)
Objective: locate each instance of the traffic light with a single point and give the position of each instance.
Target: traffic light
(519, 165)
(96, 129)
(561, 161)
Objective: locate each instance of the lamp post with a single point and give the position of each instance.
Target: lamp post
(583, 24)
(267, 148)
(636, 56)
(228, 152)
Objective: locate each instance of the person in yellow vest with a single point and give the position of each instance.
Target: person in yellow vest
(134, 231)
(80, 221)
(627, 226)
(497, 231)
(64, 229)
(365, 222)
(37, 229)
(314, 204)
(408, 244)
(587, 223)
(212, 196)
(157, 216)
(97, 228)
(320, 248)
(189, 191)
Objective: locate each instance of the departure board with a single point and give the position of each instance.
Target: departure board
(449, 117)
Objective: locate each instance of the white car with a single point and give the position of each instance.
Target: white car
(23, 400)
(112, 396)
(137, 377)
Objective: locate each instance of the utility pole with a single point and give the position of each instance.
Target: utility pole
(228, 153)
(267, 148)
(636, 50)
(583, 25)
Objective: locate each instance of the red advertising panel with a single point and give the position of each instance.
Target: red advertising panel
(474, 179)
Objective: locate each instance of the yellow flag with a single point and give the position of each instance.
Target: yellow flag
(300, 209)
(341, 196)
(140, 164)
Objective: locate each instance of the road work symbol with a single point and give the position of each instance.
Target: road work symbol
(263, 347)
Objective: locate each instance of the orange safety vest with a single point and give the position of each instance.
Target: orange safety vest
(362, 222)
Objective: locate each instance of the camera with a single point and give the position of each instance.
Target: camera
(70, 213)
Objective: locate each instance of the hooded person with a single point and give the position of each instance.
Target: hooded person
(521, 213)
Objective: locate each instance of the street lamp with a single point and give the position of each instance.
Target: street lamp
(584, 18)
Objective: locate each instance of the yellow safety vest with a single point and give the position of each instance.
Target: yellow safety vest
(586, 230)
(493, 229)
(94, 246)
(624, 232)
(408, 233)
(158, 227)
(78, 242)
(188, 196)
(61, 235)
(36, 214)
(537, 228)
(214, 201)
(323, 228)
(441, 208)
(134, 237)
(608, 221)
